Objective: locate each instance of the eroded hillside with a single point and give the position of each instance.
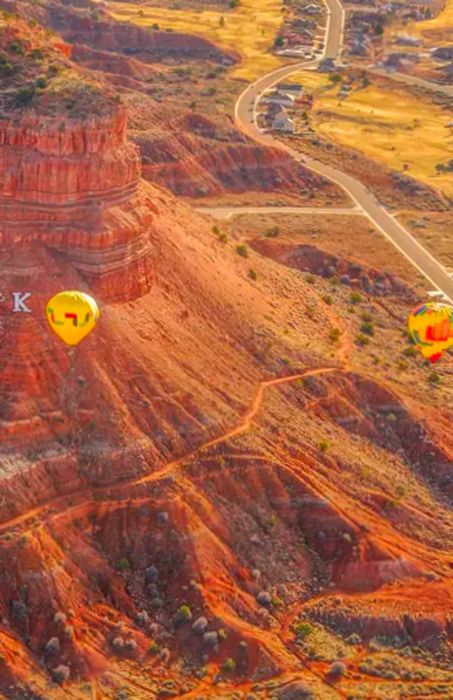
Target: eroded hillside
(223, 492)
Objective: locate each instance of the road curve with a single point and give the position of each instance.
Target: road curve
(404, 242)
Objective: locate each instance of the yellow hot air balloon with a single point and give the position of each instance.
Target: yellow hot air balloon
(431, 329)
(72, 315)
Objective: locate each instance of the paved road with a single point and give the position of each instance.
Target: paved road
(403, 241)
(229, 212)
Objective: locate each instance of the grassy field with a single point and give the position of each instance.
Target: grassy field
(249, 29)
(389, 126)
(437, 31)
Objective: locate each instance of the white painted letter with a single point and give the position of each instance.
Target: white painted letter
(19, 305)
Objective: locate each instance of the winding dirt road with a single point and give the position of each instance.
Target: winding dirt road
(363, 198)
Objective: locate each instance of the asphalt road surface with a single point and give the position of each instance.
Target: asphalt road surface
(404, 242)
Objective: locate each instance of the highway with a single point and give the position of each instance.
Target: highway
(364, 199)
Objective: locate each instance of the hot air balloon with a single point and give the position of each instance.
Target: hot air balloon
(72, 315)
(431, 329)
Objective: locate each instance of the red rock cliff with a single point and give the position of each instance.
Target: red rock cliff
(75, 184)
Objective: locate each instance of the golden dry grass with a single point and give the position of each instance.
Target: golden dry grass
(434, 32)
(249, 29)
(391, 127)
(439, 29)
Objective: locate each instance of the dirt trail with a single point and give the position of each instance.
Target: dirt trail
(62, 502)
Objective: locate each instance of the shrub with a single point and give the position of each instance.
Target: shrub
(410, 351)
(124, 564)
(311, 279)
(6, 68)
(41, 83)
(17, 48)
(367, 317)
(242, 250)
(367, 327)
(327, 299)
(25, 95)
(334, 334)
(303, 630)
(155, 27)
(53, 70)
(229, 665)
(337, 670)
(434, 378)
(52, 646)
(61, 673)
(252, 274)
(355, 298)
(362, 340)
(184, 612)
(154, 648)
(400, 491)
(272, 232)
(215, 230)
(36, 54)
(324, 445)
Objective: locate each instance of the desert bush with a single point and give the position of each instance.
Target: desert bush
(362, 340)
(272, 232)
(324, 445)
(334, 334)
(61, 673)
(25, 95)
(355, 298)
(367, 327)
(229, 665)
(303, 630)
(337, 670)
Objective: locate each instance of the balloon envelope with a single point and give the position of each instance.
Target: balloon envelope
(431, 329)
(72, 315)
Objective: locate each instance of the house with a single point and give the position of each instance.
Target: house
(443, 53)
(272, 111)
(294, 51)
(278, 98)
(327, 65)
(283, 122)
(311, 9)
(396, 61)
(291, 88)
(406, 40)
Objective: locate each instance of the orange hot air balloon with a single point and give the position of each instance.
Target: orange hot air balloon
(431, 329)
(72, 315)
